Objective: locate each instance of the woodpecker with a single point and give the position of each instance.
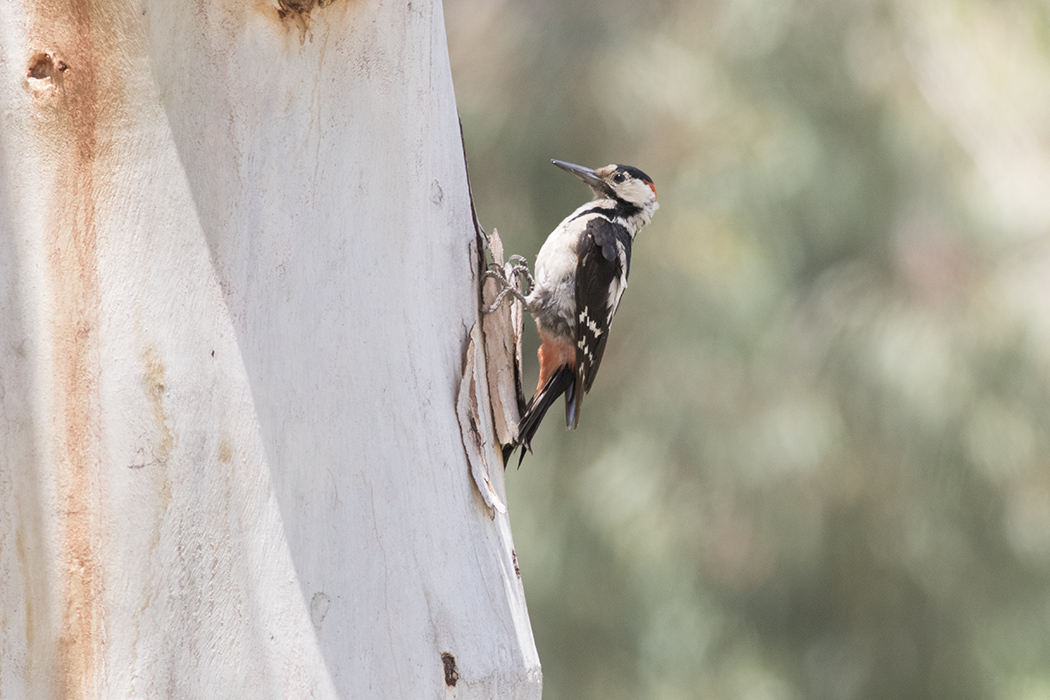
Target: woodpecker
(580, 274)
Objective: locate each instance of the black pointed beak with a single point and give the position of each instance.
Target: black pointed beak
(585, 174)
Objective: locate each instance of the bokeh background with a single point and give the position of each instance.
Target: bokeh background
(816, 461)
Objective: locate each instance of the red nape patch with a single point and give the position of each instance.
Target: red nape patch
(653, 188)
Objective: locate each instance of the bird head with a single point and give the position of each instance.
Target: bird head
(623, 183)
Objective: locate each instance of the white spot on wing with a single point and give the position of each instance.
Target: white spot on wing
(589, 322)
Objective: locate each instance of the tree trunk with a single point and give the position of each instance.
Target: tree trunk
(238, 275)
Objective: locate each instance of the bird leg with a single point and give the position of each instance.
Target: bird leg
(509, 278)
(520, 266)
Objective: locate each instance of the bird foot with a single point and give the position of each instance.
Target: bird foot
(509, 278)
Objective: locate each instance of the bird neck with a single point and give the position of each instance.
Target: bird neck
(630, 216)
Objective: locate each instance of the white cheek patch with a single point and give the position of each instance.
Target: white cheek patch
(637, 192)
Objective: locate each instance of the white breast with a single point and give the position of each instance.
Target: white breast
(556, 262)
(557, 257)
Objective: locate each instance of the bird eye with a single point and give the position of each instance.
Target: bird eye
(618, 177)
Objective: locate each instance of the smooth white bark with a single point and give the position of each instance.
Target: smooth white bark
(237, 281)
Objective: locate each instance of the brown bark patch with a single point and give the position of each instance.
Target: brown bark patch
(72, 120)
(225, 450)
(303, 7)
(155, 391)
(451, 673)
(299, 14)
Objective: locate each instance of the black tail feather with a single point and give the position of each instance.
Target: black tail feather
(508, 450)
(574, 399)
(559, 383)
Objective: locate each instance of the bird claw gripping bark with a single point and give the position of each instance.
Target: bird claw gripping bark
(509, 278)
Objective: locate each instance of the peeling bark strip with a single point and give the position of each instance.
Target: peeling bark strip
(502, 331)
(68, 116)
(470, 424)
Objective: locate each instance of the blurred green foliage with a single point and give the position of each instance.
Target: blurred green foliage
(816, 462)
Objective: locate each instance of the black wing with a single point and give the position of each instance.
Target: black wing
(604, 254)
